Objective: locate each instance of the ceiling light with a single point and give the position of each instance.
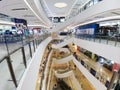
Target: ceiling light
(34, 11)
(15, 9)
(60, 5)
(36, 25)
(6, 23)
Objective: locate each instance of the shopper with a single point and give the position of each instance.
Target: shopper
(55, 87)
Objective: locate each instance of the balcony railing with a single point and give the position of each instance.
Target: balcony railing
(14, 63)
(109, 40)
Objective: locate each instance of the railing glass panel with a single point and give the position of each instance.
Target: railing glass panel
(18, 65)
(14, 58)
(6, 82)
(115, 41)
(27, 53)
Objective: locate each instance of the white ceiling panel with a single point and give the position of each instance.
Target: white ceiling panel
(19, 9)
(59, 11)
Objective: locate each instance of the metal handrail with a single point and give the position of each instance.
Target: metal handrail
(8, 58)
(12, 52)
(2, 59)
(99, 38)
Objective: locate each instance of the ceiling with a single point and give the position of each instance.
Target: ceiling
(101, 18)
(53, 11)
(56, 12)
(19, 9)
(106, 14)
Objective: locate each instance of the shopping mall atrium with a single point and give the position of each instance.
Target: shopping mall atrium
(59, 44)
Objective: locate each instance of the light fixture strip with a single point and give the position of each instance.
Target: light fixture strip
(33, 11)
(36, 25)
(6, 23)
(99, 20)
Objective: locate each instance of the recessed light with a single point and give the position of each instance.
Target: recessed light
(60, 5)
(16, 9)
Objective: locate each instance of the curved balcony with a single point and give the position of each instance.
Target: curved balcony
(28, 81)
(63, 73)
(101, 49)
(63, 59)
(65, 42)
(64, 50)
(88, 72)
(67, 73)
(90, 76)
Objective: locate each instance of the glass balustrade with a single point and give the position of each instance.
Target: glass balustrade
(62, 71)
(14, 59)
(6, 82)
(109, 40)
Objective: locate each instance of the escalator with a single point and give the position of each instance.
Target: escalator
(63, 85)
